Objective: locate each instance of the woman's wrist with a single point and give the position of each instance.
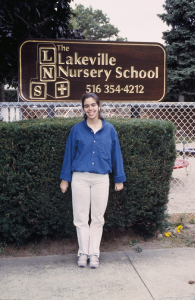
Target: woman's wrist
(118, 186)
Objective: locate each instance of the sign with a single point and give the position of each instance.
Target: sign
(63, 70)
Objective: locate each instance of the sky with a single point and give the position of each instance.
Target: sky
(137, 20)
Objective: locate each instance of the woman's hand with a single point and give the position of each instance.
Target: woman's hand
(64, 186)
(118, 186)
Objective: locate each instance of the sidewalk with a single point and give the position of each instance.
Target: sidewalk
(123, 275)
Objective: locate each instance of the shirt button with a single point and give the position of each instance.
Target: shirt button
(94, 141)
(92, 163)
(93, 151)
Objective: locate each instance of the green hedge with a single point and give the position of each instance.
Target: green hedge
(11, 96)
(31, 155)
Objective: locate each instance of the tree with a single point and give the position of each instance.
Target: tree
(180, 41)
(93, 24)
(24, 19)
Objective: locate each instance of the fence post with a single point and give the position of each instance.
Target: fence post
(181, 98)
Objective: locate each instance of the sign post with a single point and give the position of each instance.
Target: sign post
(63, 70)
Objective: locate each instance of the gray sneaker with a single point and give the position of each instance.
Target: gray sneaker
(82, 260)
(94, 261)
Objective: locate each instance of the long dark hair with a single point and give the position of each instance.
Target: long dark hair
(97, 100)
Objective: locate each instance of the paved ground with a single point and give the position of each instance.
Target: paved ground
(152, 274)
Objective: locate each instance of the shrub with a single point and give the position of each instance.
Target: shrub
(31, 203)
(11, 96)
(148, 148)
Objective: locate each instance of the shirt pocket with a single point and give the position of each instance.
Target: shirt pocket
(105, 150)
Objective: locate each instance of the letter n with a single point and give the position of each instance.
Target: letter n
(47, 73)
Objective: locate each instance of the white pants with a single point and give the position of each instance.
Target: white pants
(89, 193)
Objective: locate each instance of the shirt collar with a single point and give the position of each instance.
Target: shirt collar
(103, 123)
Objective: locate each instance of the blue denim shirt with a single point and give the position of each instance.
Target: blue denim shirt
(91, 152)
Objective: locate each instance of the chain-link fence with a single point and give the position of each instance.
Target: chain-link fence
(182, 193)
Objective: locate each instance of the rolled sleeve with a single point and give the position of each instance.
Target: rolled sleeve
(117, 161)
(70, 153)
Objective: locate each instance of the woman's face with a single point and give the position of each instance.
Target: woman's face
(91, 109)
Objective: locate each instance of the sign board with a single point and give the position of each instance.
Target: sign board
(63, 70)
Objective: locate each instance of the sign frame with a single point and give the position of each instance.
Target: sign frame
(47, 67)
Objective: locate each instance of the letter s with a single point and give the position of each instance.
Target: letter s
(37, 90)
(118, 72)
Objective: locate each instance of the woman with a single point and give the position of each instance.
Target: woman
(92, 152)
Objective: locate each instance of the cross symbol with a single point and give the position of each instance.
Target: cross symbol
(62, 89)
